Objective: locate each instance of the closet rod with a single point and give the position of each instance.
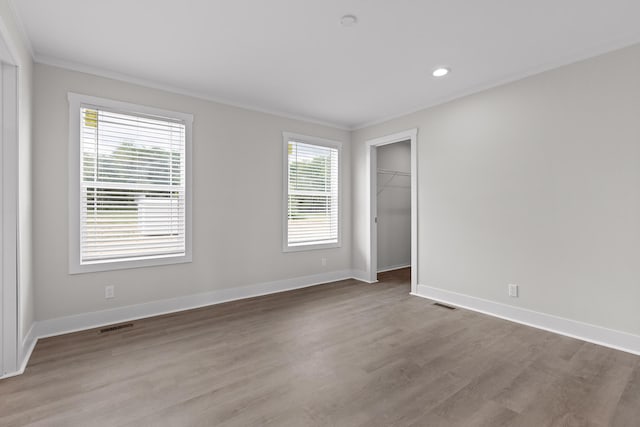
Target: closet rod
(393, 172)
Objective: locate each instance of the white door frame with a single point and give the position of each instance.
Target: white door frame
(408, 135)
(9, 333)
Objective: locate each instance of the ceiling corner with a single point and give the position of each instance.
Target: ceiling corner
(22, 28)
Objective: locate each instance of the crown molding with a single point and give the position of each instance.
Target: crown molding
(88, 69)
(21, 28)
(564, 60)
(573, 58)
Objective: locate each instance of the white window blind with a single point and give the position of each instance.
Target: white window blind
(312, 194)
(132, 186)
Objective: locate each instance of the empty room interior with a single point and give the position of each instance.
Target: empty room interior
(320, 213)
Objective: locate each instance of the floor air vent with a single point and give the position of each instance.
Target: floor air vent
(116, 328)
(448, 307)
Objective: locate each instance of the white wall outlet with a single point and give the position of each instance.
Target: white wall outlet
(109, 292)
(324, 261)
(513, 290)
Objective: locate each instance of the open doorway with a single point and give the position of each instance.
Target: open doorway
(393, 208)
(394, 173)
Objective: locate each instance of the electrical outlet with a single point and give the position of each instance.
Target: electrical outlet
(513, 290)
(109, 292)
(324, 261)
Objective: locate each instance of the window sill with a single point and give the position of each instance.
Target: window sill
(311, 247)
(98, 266)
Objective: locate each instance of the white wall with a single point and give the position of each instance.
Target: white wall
(22, 55)
(237, 191)
(394, 206)
(536, 182)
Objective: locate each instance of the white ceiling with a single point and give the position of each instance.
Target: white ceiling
(293, 56)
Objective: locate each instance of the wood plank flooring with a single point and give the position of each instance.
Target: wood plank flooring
(342, 354)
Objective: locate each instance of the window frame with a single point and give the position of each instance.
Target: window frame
(311, 140)
(76, 102)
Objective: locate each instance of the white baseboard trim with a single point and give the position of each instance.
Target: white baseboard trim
(393, 267)
(81, 322)
(362, 276)
(572, 328)
(84, 321)
(24, 353)
(28, 344)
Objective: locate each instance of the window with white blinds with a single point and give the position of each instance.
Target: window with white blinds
(312, 193)
(132, 186)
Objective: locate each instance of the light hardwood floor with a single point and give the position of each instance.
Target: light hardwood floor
(343, 354)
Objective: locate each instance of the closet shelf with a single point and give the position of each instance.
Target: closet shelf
(393, 172)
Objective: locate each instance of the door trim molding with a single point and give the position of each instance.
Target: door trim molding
(408, 135)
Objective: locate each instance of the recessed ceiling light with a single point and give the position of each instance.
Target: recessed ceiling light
(440, 72)
(348, 20)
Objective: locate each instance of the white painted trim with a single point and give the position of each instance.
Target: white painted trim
(586, 332)
(21, 27)
(548, 66)
(9, 194)
(572, 328)
(372, 176)
(113, 75)
(551, 65)
(28, 345)
(80, 322)
(362, 276)
(8, 46)
(9, 54)
(76, 101)
(393, 267)
(9, 257)
(412, 136)
(290, 136)
(84, 321)
(414, 209)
